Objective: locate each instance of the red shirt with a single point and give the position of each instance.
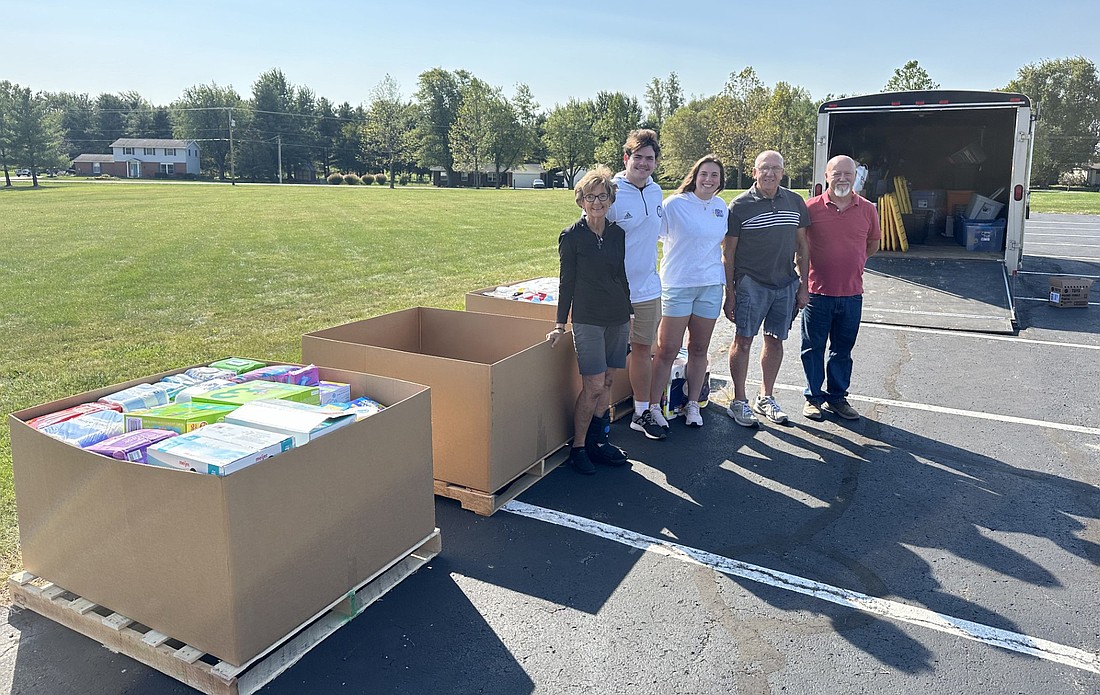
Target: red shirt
(838, 244)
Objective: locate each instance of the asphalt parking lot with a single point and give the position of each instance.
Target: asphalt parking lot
(949, 541)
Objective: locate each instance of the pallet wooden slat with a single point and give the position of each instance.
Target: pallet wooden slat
(485, 503)
(186, 664)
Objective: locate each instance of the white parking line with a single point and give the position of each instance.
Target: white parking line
(985, 336)
(894, 610)
(1035, 272)
(964, 413)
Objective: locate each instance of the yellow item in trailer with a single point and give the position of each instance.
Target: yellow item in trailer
(902, 239)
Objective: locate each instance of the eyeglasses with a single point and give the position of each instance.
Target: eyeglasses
(593, 197)
(767, 169)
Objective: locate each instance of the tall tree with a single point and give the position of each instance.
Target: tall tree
(472, 132)
(663, 98)
(787, 124)
(348, 148)
(1067, 92)
(733, 117)
(203, 114)
(513, 124)
(616, 115)
(388, 121)
(272, 101)
(305, 145)
(111, 111)
(77, 121)
(685, 138)
(35, 132)
(569, 139)
(438, 98)
(7, 110)
(908, 77)
(328, 130)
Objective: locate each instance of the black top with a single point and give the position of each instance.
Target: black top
(593, 275)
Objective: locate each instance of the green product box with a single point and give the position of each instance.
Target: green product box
(177, 417)
(240, 394)
(240, 365)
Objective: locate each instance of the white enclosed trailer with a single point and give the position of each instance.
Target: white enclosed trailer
(942, 142)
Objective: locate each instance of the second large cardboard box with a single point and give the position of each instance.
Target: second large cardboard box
(502, 398)
(229, 565)
(479, 300)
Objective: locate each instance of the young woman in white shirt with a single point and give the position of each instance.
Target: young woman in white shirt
(692, 279)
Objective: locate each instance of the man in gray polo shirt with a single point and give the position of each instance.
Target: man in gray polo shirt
(765, 241)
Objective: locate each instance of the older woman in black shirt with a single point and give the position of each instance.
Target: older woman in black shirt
(594, 289)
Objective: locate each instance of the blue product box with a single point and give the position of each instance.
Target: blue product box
(980, 235)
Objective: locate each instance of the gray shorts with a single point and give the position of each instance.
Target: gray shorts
(757, 304)
(643, 327)
(600, 348)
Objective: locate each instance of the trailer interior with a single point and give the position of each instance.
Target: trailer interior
(951, 151)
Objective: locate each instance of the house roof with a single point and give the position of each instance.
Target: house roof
(95, 158)
(151, 142)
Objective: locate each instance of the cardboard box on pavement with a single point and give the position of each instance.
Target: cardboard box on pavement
(502, 398)
(1069, 291)
(229, 565)
(479, 301)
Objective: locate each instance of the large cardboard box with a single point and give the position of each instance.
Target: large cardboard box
(502, 398)
(479, 301)
(229, 565)
(1069, 291)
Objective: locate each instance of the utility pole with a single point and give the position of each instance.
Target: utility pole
(232, 174)
(280, 139)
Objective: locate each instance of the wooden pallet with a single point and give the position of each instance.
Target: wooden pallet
(485, 503)
(192, 666)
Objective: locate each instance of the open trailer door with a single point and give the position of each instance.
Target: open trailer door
(951, 149)
(964, 294)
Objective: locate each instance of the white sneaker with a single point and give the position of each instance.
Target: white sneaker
(742, 414)
(766, 406)
(657, 415)
(692, 418)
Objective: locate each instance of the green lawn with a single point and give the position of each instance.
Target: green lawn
(100, 283)
(104, 282)
(1070, 202)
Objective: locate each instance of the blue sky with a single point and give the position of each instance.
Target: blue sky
(560, 49)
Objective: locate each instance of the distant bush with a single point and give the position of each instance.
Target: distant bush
(335, 179)
(380, 179)
(367, 179)
(403, 180)
(352, 179)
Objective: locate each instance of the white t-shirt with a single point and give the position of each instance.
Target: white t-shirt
(692, 231)
(638, 212)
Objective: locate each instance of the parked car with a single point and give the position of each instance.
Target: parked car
(538, 183)
(22, 172)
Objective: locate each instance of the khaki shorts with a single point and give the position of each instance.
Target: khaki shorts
(643, 325)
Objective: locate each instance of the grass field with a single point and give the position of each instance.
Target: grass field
(100, 283)
(105, 282)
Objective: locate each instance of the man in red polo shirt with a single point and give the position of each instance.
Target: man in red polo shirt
(844, 232)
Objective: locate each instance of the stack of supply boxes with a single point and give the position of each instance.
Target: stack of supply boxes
(216, 419)
(199, 485)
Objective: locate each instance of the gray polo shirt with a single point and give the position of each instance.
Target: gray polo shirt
(766, 231)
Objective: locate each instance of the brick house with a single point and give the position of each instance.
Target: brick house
(139, 158)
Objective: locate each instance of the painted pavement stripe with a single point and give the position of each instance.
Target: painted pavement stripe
(984, 336)
(964, 413)
(894, 610)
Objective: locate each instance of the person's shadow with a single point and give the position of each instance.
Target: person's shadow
(868, 507)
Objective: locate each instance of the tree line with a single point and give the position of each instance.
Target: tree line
(459, 123)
